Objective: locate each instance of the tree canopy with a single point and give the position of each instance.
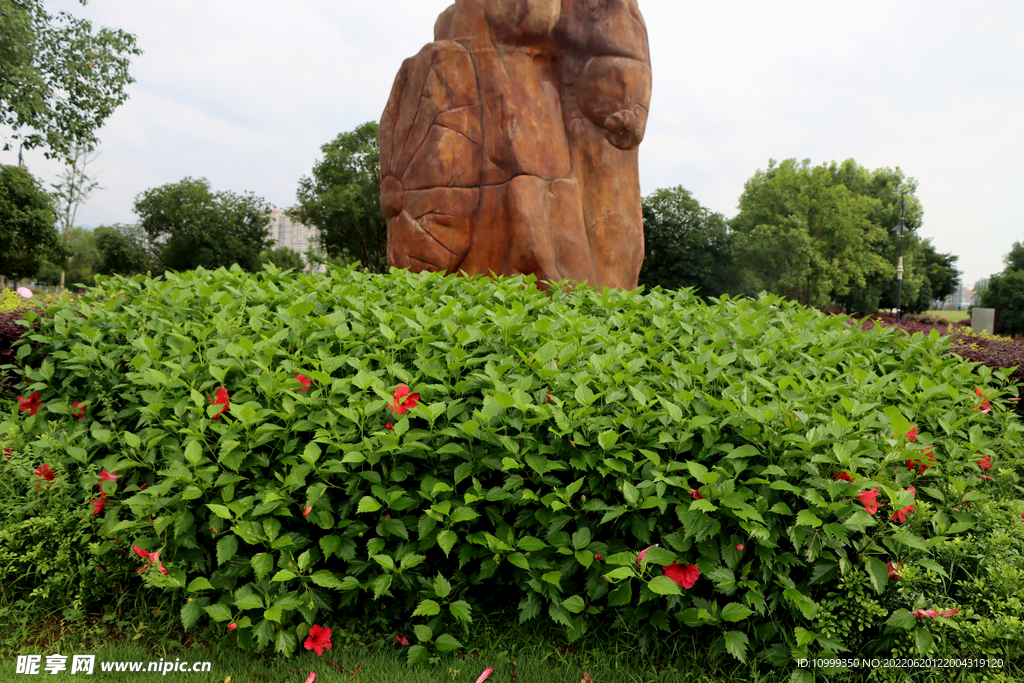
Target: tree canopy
(28, 235)
(59, 79)
(804, 235)
(1005, 293)
(686, 245)
(342, 199)
(192, 226)
(121, 250)
(284, 258)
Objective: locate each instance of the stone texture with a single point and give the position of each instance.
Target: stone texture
(509, 144)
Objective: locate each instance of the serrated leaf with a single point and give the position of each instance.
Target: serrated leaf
(878, 573)
(736, 611)
(903, 619)
(368, 504)
(908, 539)
(442, 587)
(662, 585)
(199, 584)
(736, 645)
(427, 608)
(446, 540)
(574, 604)
(285, 642)
(418, 654)
(218, 612)
(933, 566)
(262, 563)
(808, 518)
(190, 613)
(462, 611)
(446, 643)
(226, 549)
(326, 579)
(423, 633)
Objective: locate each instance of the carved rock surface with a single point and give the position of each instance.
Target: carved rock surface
(509, 144)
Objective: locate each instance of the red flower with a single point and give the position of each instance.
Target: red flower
(139, 551)
(221, 399)
(319, 640)
(98, 504)
(684, 575)
(410, 400)
(844, 476)
(643, 554)
(30, 404)
(696, 495)
(232, 627)
(986, 477)
(912, 434)
(153, 557)
(950, 612)
(78, 412)
(7, 452)
(312, 677)
(598, 557)
(402, 640)
(549, 397)
(107, 476)
(985, 463)
(929, 613)
(892, 569)
(44, 472)
(984, 404)
(483, 676)
(389, 426)
(739, 547)
(308, 509)
(868, 499)
(304, 381)
(902, 514)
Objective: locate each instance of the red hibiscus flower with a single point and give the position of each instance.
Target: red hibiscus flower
(927, 613)
(985, 463)
(483, 676)
(44, 472)
(30, 404)
(696, 495)
(912, 434)
(598, 557)
(309, 508)
(389, 426)
(304, 381)
(892, 569)
(986, 477)
(739, 547)
(232, 627)
(221, 399)
(98, 504)
(950, 612)
(868, 499)
(107, 476)
(403, 400)
(154, 558)
(402, 640)
(844, 476)
(684, 575)
(78, 411)
(902, 514)
(319, 639)
(312, 677)
(7, 452)
(984, 406)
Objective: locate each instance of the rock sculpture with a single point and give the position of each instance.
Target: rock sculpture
(509, 144)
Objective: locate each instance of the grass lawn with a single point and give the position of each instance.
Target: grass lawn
(952, 316)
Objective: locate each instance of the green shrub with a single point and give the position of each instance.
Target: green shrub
(556, 435)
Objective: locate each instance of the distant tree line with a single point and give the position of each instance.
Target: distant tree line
(1005, 293)
(817, 234)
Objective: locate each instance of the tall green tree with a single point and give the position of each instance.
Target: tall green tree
(284, 258)
(79, 269)
(805, 236)
(77, 183)
(686, 245)
(28, 234)
(193, 226)
(1005, 293)
(59, 79)
(342, 198)
(121, 250)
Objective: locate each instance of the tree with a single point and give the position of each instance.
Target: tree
(686, 245)
(121, 250)
(27, 231)
(284, 258)
(79, 268)
(192, 226)
(342, 199)
(805, 236)
(1005, 293)
(75, 187)
(59, 81)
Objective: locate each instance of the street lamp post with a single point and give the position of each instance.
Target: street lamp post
(900, 229)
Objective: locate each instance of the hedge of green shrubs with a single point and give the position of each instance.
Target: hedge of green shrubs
(286, 450)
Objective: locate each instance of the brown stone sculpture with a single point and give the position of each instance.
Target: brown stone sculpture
(509, 144)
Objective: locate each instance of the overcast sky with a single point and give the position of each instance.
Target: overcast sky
(244, 93)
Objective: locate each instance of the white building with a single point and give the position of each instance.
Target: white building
(296, 236)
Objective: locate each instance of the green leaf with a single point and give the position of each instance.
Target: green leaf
(461, 610)
(574, 604)
(442, 588)
(464, 515)
(933, 566)
(427, 608)
(924, 640)
(418, 655)
(226, 548)
(807, 518)
(607, 439)
(446, 540)
(736, 611)
(312, 453)
(199, 584)
(662, 585)
(906, 538)
(621, 595)
(330, 545)
(220, 510)
(903, 619)
(581, 539)
(368, 504)
(446, 643)
(283, 575)
(423, 633)
(190, 613)
(286, 642)
(878, 573)
(736, 644)
(262, 564)
(218, 612)
(806, 605)
(248, 601)
(326, 579)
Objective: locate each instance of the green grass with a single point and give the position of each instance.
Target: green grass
(951, 316)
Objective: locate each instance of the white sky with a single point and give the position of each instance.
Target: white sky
(244, 93)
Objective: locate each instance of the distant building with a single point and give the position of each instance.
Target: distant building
(287, 233)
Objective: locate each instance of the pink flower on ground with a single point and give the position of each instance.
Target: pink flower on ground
(643, 553)
(312, 677)
(232, 627)
(696, 495)
(484, 675)
(403, 400)
(402, 640)
(304, 381)
(892, 569)
(867, 498)
(308, 509)
(30, 404)
(319, 639)
(78, 411)
(684, 575)
(220, 399)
